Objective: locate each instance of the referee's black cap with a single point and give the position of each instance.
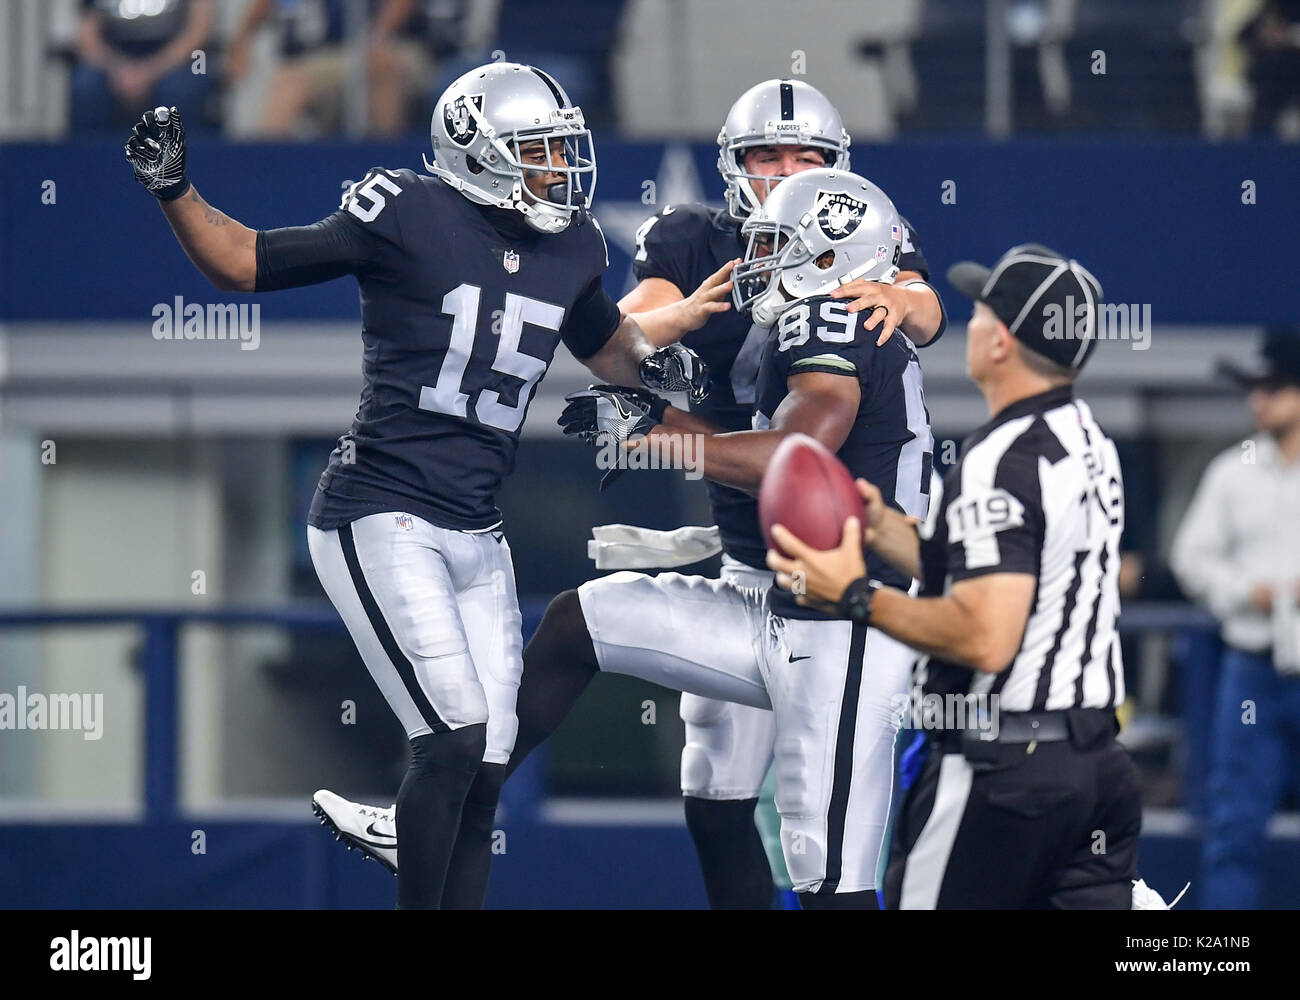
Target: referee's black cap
(1276, 364)
(1049, 302)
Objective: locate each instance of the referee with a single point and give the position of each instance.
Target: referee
(1024, 798)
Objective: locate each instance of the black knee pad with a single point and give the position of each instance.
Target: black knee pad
(458, 750)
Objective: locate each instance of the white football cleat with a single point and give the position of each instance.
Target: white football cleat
(370, 829)
(1146, 898)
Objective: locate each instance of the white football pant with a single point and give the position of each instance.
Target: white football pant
(834, 690)
(435, 616)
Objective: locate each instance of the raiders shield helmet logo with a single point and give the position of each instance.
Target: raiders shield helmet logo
(460, 124)
(841, 215)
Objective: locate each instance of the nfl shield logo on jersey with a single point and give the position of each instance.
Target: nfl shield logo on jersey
(511, 261)
(840, 215)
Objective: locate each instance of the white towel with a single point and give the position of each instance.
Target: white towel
(625, 546)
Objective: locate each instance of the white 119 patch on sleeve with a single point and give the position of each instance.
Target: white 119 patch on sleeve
(974, 519)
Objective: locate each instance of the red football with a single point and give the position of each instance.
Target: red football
(809, 491)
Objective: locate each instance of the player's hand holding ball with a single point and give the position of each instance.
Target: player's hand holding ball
(156, 151)
(675, 368)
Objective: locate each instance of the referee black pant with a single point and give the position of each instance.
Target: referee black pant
(1003, 825)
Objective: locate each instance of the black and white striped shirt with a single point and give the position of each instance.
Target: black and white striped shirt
(1036, 490)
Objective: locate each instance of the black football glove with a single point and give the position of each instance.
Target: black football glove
(156, 150)
(611, 412)
(675, 368)
(601, 413)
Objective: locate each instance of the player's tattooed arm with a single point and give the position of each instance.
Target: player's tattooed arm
(819, 404)
(665, 315)
(225, 251)
(222, 249)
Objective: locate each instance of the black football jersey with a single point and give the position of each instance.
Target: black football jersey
(462, 307)
(685, 244)
(890, 444)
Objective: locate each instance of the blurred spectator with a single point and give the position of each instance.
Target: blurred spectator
(1226, 92)
(405, 39)
(1238, 552)
(1273, 42)
(132, 55)
(1253, 68)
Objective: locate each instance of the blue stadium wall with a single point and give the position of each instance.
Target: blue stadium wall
(1162, 223)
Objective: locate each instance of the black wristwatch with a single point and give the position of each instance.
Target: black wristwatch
(855, 603)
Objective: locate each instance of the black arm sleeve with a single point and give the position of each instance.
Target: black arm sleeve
(592, 321)
(307, 255)
(913, 257)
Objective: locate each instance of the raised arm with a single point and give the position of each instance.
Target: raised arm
(225, 251)
(221, 248)
(231, 255)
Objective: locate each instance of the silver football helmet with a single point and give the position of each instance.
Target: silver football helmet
(818, 229)
(775, 113)
(479, 124)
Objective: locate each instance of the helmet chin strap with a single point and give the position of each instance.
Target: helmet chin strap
(543, 218)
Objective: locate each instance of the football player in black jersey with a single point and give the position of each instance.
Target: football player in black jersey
(776, 129)
(404, 530)
(833, 687)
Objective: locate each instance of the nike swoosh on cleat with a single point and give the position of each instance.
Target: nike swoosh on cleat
(370, 843)
(375, 833)
(796, 659)
(369, 848)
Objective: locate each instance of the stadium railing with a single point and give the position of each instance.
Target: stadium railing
(160, 659)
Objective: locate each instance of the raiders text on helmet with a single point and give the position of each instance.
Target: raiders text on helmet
(817, 230)
(776, 113)
(483, 119)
